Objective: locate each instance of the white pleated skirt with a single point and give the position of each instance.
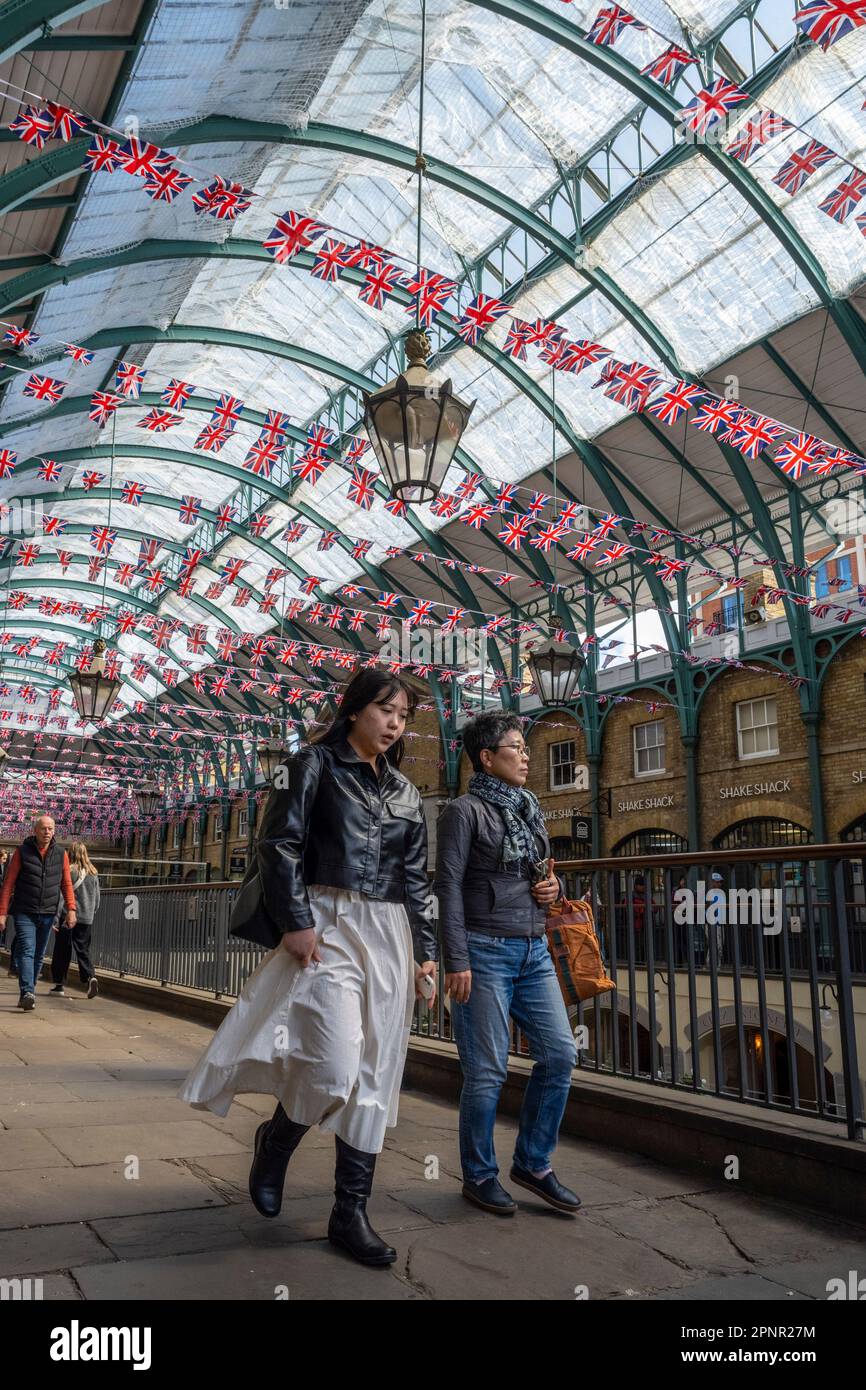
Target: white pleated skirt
(328, 1040)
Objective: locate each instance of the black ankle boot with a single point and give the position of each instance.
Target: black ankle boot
(276, 1141)
(348, 1227)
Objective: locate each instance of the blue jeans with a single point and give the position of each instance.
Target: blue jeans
(511, 976)
(31, 938)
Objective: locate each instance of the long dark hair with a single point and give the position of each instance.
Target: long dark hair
(369, 686)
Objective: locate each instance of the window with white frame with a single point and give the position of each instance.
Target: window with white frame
(562, 765)
(649, 748)
(176, 834)
(243, 821)
(196, 830)
(218, 825)
(757, 728)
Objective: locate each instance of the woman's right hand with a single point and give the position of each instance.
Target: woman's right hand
(302, 946)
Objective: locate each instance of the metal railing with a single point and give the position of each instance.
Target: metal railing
(760, 1007)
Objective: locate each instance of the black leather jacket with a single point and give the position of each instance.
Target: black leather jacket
(475, 892)
(339, 825)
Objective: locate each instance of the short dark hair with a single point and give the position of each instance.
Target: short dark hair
(485, 731)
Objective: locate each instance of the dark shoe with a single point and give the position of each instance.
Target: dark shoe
(490, 1195)
(92, 987)
(548, 1188)
(27, 1001)
(348, 1227)
(276, 1141)
(58, 989)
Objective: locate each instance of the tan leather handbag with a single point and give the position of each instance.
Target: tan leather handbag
(575, 951)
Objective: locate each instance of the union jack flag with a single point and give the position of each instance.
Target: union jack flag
(224, 517)
(381, 281)
(329, 260)
(680, 398)
(20, 337)
(606, 525)
(193, 557)
(102, 538)
(212, 438)
(446, 504)
(422, 612)
(827, 21)
(159, 420)
(801, 165)
(147, 549)
(49, 471)
(631, 384)
(44, 388)
(365, 255)
(190, 508)
(667, 68)
(227, 412)
(8, 460)
(715, 412)
(357, 449)
(54, 525)
(452, 619)
(176, 394)
(468, 487)
(505, 496)
(668, 567)
(140, 158)
(537, 503)
(34, 126)
(517, 339)
(844, 198)
(292, 233)
(515, 531)
(275, 428)
(710, 105)
(27, 554)
(79, 354)
(387, 600)
(327, 539)
(753, 433)
(757, 132)
(90, 480)
(477, 514)
(103, 406)
(294, 531)
(104, 155)
(124, 574)
(163, 185)
(613, 554)
(362, 488)
(131, 493)
(129, 379)
(261, 457)
(222, 199)
(429, 292)
(66, 122)
(585, 546)
(549, 535)
(609, 24)
(479, 316)
(310, 466)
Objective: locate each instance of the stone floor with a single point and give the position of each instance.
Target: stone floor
(110, 1187)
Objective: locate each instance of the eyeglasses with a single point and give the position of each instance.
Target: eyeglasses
(516, 747)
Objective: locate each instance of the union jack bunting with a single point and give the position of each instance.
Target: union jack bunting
(753, 433)
(669, 407)
(606, 524)
(537, 503)
(549, 535)
(613, 554)
(710, 105)
(158, 421)
(49, 471)
(667, 68)
(20, 337)
(477, 514)
(129, 379)
(517, 339)
(54, 525)
(327, 540)
(66, 123)
(275, 428)
(79, 354)
(609, 24)
(124, 574)
(34, 126)
(211, 438)
(142, 159)
(585, 546)
(631, 384)
(190, 507)
(757, 132)
(452, 619)
(225, 516)
(293, 232)
(422, 612)
(131, 493)
(294, 531)
(845, 197)
(830, 459)
(429, 293)
(381, 281)
(103, 406)
(222, 199)
(668, 567)
(330, 259)
(574, 356)
(505, 496)
(176, 394)
(801, 165)
(261, 457)
(365, 255)
(103, 156)
(478, 316)
(361, 488)
(8, 460)
(91, 479)
(715, 412)
(468, 487)
(27, 554)
(164, 184)
(102, 538)
(310, 466)
(827, 21)
(446, 504)
(44, 388)
(358, 447)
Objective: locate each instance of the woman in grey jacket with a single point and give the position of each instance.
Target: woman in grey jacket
(85, 885)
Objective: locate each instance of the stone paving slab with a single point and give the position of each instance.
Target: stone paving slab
(85, 1144)
(27, 1148)
(106, 1112)
(751, 1288)
(763, 1230)
(44, 1248)
(811, 1277)
(42, 1196)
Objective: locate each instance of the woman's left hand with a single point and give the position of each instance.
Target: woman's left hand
(428, 968)
(546, 891)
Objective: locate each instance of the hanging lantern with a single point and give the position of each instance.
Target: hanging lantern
(271, 753)
(415, 425)
(556, 668)
(149, 798)
(93, 692)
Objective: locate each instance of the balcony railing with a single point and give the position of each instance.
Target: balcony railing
(765, 1006)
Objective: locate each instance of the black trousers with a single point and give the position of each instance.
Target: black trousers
(64, 940)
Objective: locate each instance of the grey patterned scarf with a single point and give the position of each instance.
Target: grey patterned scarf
(523, 818)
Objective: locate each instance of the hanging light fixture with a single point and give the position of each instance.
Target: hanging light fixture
(271, 753)
(415, 424)
(149, 797)
(93, 692)
(556, 668)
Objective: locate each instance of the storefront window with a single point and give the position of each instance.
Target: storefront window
(757, 728)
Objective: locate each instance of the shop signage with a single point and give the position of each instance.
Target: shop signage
(646, 803)
(581, 829)
(238, 864)
(755, 789)
(858, 776)
(565, 813)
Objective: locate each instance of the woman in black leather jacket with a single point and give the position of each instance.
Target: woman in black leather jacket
(340, 882)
